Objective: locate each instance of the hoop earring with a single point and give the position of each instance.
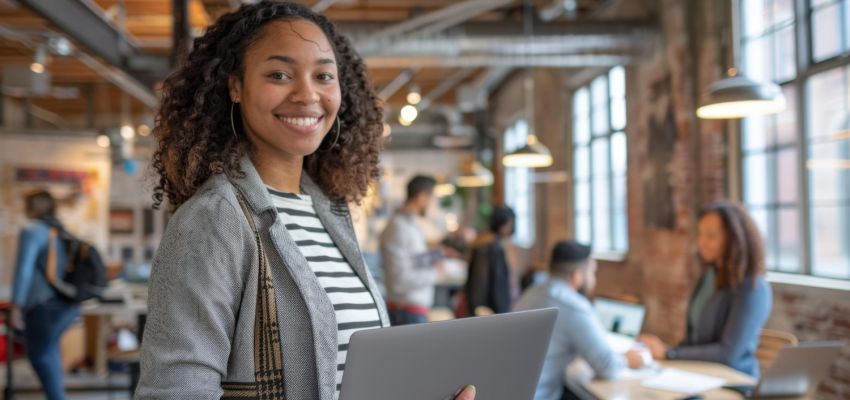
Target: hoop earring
(336, 139)
(233, 124)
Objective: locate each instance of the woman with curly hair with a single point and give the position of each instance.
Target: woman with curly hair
(266, 132)
(732, 300)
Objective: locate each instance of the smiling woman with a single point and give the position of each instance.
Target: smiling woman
(266, 131)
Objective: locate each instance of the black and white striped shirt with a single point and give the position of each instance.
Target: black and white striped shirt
(355, 308)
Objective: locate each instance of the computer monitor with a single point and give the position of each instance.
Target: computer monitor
(619, 316)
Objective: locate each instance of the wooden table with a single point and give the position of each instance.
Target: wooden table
(631, 388)
(98, 318)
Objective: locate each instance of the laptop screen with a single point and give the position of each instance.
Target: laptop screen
(620, 317)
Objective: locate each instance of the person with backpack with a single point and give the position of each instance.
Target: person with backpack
(46, 314)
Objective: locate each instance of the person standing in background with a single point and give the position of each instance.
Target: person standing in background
(405, 259)
(489, 280)
(45, 315)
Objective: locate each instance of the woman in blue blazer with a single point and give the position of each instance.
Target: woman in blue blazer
(732, 300)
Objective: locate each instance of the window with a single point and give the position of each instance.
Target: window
(796, 164)
(519, 187)
(599, 163)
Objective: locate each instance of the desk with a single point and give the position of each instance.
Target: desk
(98, 318)
(632, 389)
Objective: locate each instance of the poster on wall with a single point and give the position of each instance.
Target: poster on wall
(121, 221)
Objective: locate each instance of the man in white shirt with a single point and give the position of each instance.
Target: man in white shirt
(407, 263)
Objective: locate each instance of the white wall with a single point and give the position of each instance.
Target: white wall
(83, 210)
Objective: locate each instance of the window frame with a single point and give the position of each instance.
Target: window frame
(806, 67)
(616, 250)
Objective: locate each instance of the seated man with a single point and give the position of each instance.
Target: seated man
(578, 332)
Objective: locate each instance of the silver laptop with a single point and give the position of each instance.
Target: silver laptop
(796, 370)
(502, 355)
(620, 317)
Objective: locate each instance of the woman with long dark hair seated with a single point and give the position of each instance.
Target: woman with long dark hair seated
(732, 300)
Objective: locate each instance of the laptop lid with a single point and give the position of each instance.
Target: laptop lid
(502, 355)
(619, 316)
(797, 370)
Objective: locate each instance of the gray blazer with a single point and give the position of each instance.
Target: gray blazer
(729, 326)
(200, 326)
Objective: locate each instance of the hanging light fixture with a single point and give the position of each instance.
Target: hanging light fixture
(738, 96)
(534, 154)
(414, 95)
(475, 175)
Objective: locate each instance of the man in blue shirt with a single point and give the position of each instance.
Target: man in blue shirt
(578, 332)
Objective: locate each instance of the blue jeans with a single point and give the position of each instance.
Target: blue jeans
(45, 324)
(401, 317)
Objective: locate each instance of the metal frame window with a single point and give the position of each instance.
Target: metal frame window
(795, 177)
(599, 163)
(519, 186)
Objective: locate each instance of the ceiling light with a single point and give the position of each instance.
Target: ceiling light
(143, 130)
(828, 163)
(103, 140)
(475, 175)
(414, 96)
(404, 122)
(409, 113)
(444, 190)
(127, 132)
(738, 96)
(533, 155)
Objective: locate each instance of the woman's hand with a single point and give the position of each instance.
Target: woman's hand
(655, 345)
(465, 393)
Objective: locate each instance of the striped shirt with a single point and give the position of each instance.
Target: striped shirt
(353, 303)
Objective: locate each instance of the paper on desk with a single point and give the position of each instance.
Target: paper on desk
(676, 380)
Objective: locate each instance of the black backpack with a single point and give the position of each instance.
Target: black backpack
(85, 273)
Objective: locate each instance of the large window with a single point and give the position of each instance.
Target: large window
(795, 165)
(599, 163)
(519, 187)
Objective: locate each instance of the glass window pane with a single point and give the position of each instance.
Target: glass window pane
(582, 197)
(582, 231)
(581, 162)
(601, 215)
(786, 173)
(828, 181)
(756, 178)
(755, 15)
(827, 102)
(826, 32)
(756, 132)
(830, 252)
(581, 129)
(786, 121)
(788, 240)
(785, 67)
(599, 91)
(617, 81)
(619, 158)
(621, 232)
(619, 196)
(600, 120)
(618, 114)
(600, 158)
(783, 12)
(760, 217)
(757, 58)
(581, 102)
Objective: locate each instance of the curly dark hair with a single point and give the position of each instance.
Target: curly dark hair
(193, 128)
(744, 253)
